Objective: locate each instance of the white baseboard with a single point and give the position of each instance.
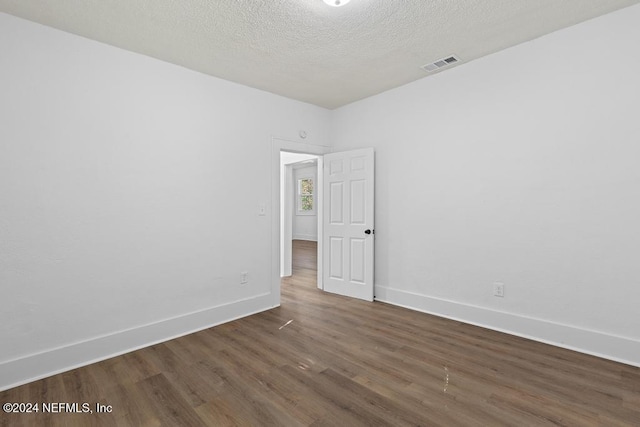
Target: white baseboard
(309, 237)
(33, 367)
(616, 348)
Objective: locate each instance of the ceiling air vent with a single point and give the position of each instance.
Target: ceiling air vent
(441, 63)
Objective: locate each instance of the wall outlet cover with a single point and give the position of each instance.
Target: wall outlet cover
(498, 289)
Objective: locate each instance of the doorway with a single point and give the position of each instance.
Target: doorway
(345, 220)
(281, 232)
(304, 244)
(298, 204)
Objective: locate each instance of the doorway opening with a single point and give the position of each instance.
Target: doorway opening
(344, 203)
(299, 199)
(283, 156)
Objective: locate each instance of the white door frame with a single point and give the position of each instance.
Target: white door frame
(286, 222)
(278, 145)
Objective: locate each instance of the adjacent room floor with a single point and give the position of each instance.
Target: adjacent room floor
(322, 359)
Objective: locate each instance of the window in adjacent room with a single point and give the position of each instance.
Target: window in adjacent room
(306, 205)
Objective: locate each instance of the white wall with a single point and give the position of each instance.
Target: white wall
(305, 226)
(522, 168)
(124, 219)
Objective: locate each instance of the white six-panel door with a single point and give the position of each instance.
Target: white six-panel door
(348, 227)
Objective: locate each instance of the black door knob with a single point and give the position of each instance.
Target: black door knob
(367, 231)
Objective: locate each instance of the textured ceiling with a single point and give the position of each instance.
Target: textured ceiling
(304, 49)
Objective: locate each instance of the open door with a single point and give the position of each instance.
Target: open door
(348, 223)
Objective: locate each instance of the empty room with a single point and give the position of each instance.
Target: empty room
(319, 212)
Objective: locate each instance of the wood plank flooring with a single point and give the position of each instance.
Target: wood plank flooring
(341, 362)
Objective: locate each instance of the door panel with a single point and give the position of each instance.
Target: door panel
(358, 263)
(348, 213)
(335, 258)
(336, 216)
(358, 202)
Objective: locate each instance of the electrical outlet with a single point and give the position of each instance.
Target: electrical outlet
(498, 290)
(244, 277)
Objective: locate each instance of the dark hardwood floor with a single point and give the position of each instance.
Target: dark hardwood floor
(322, 359)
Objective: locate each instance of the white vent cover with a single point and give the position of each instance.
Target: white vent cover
(441, 63)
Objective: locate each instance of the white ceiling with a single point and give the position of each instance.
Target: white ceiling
(304, 49)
